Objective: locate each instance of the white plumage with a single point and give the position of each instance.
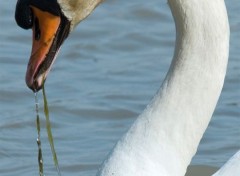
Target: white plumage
(165, 137)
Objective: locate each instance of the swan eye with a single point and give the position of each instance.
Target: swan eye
(24, 14)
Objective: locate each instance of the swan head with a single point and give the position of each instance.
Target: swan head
(51, 22)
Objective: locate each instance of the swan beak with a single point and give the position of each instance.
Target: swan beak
(48, 36)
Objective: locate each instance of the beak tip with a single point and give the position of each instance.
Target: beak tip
(35, 84)
(35, 87)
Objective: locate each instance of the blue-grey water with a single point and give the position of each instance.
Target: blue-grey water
(106, 73)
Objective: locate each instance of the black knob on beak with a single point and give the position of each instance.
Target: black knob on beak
(23, 14)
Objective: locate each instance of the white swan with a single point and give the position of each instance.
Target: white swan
(163, 140)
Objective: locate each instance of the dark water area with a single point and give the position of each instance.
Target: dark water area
(106, 73)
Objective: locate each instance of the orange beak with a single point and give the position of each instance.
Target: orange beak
(49, 31)
(44, 31)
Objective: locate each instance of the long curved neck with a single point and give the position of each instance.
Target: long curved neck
(165, 137)
(187, 98)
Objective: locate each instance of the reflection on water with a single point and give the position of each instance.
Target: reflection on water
(106, 73)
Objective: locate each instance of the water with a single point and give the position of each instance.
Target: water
(106, 73)
(38, 125)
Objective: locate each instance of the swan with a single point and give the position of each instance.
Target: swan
(165, 137)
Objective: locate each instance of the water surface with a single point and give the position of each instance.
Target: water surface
(106, 73)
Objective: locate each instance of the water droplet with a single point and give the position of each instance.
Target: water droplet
(40, 160)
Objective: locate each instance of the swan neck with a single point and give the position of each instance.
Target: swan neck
(77, 10)
(163, 140)
(188, 96)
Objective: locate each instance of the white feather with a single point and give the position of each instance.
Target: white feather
(231, 168)
(165, 137)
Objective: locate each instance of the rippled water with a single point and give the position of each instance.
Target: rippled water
(106, 73)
